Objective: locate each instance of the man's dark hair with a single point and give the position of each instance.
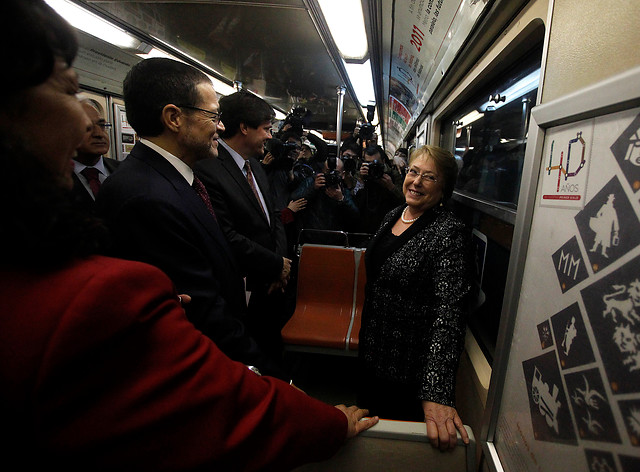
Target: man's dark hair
(154, 83)
(373, 150)
(243, 107)
(350, 144)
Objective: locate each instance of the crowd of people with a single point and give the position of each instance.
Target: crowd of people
(143, 299)
(338, 193)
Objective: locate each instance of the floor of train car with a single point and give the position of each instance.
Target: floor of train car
(332, 379)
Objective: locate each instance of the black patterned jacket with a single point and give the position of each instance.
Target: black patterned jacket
(416, 303)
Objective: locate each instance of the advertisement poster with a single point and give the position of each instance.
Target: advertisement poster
(426, 35)
(101, 65)
(573, 380)
(567, 154)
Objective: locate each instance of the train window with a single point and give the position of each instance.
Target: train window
(488, 134)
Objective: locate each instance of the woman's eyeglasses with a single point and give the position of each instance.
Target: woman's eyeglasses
(414, 174)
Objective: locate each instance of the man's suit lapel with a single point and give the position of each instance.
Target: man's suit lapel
(80, 193)
(241, 181)
(187, 195)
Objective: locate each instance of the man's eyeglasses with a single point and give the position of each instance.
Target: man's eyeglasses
(414, 174)
(212, 115)
(103, 125)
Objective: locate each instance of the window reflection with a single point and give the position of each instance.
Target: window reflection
(489, 134)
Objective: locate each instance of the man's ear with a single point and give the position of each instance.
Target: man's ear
(243, 129)
(172, 117)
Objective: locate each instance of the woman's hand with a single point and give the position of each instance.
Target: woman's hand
(357, 421)
(442, 422)
(297, 205)
(267, 159)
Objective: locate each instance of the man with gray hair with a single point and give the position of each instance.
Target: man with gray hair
(90, 167)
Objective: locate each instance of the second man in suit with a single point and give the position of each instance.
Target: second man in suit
(240, 194)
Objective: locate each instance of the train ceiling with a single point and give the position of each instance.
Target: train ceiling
(283, 50)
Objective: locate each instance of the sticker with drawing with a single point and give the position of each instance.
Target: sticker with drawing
(550, 417)
(608, 226)
(574, 348)
(591, 408)
(613, 309)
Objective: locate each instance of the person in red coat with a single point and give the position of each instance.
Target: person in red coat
(100, 368)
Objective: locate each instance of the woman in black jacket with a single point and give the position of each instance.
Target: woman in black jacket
(413, 321)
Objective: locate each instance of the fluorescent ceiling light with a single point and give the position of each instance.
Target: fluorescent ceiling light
(470, 118)
(155, 52)
(346, 24)
(362, 81)
(93, 24)
(221, 87)
(517, 90)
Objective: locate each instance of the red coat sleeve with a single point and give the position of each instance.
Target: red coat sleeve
(121, 377)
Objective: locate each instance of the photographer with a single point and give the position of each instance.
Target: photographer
(281, 155)
(294, 124)
(381, 189)
(330, 205)
(350, 155)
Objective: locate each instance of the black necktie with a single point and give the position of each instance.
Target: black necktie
(198, 186)
(91, 174)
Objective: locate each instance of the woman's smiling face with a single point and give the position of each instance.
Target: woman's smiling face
(421, 192)
(52, 109)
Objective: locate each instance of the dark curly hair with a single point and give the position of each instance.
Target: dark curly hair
(41, 228)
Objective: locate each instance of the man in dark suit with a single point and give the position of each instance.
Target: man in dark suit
(160, 214)
(90, 168)
(240, 194)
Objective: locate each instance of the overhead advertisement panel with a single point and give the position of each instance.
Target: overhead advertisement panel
(427, 34)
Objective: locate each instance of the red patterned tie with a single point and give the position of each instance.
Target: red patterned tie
(198, 186)
(91, 174)
(252, 184)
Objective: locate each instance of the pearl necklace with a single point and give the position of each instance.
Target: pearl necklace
(405, 220)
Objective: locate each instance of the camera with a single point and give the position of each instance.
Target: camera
(333, 177)
(298, 118)
(367, 131)
(350, 163)
(376, 169)
(301, 172)
(284, 154)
